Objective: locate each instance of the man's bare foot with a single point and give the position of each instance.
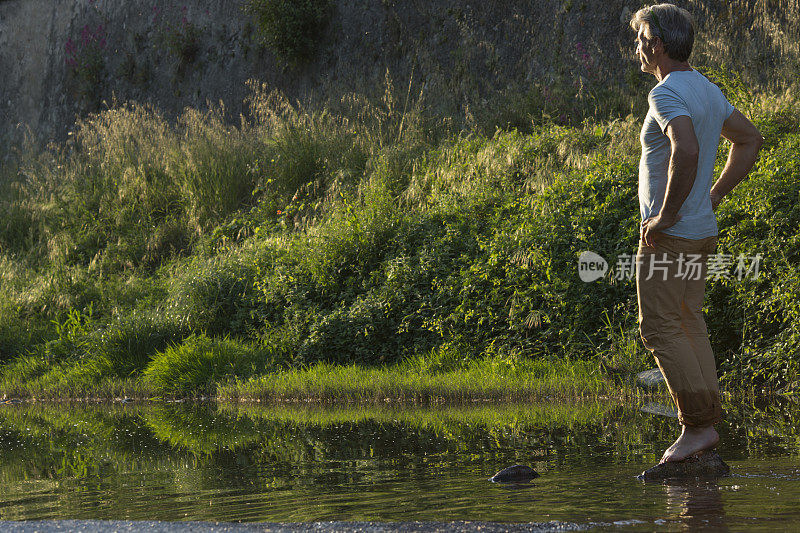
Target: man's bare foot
(691, 441)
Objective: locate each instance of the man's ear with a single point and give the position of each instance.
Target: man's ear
(655, 43)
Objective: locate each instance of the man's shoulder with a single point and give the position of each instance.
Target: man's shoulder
(679, 80)
(664, 89)
(678, 84)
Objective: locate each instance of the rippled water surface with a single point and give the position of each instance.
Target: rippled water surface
(201, 462)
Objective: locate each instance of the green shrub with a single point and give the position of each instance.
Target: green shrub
(129, 342)
(216, 295)
(291, 28)
(753, 322)
(521, 288)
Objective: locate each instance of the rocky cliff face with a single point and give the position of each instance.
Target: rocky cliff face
(60, 59)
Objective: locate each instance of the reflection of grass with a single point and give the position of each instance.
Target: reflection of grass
(112, 430)
(75, 443)
(197, 454)
(199, 429)
(308, 462)
(486, 416)
(481, 380)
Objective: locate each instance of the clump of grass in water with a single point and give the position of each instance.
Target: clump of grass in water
(197, 364)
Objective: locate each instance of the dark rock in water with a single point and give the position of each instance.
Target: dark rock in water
(10, 401)
(651, 379)
(514, 473)
(706, 465)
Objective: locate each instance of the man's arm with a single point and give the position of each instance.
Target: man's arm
(680, 177)
(682, 165)
(746, 141)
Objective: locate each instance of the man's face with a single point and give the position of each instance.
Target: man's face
(645, 51)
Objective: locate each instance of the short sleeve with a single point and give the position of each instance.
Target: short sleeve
(729, 109)
(666, 105)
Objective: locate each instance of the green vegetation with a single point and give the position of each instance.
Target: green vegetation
(265, 260)
(290, 28)
(420, 381)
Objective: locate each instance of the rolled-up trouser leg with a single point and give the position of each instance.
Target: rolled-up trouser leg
(670, 282)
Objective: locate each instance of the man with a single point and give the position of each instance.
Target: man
(680, 137)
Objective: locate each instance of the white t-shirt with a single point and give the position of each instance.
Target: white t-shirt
(682, 92)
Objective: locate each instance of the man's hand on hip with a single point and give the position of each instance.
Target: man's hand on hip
(716, 199)
(654, 225)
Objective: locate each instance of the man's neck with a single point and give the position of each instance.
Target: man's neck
(669, 65)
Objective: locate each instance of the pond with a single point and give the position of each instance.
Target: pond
(267, 463)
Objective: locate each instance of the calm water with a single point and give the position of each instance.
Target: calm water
(190, 462)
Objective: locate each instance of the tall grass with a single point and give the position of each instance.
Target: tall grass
(491, 379)
(198, 363)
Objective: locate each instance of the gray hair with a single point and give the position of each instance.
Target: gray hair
(670, 23)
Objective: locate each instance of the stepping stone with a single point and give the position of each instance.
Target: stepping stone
(659, 409)
(514, 474)
(651, 379)
(706, 465)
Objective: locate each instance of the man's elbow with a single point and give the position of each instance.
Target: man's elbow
(758, 140)
(754, 139)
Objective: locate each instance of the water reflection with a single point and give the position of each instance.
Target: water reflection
(280, 463)
(696, 505)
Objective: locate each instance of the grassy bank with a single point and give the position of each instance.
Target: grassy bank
(364, 251)
(416, 382)
(536, 380)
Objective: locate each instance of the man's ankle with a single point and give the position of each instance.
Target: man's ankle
(697, 429)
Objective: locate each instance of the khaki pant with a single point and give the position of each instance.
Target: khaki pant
(672, 326)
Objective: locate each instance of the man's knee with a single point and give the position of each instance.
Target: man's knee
(657, 331)
(693, 322)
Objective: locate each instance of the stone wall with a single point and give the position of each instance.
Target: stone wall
(458, 52)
